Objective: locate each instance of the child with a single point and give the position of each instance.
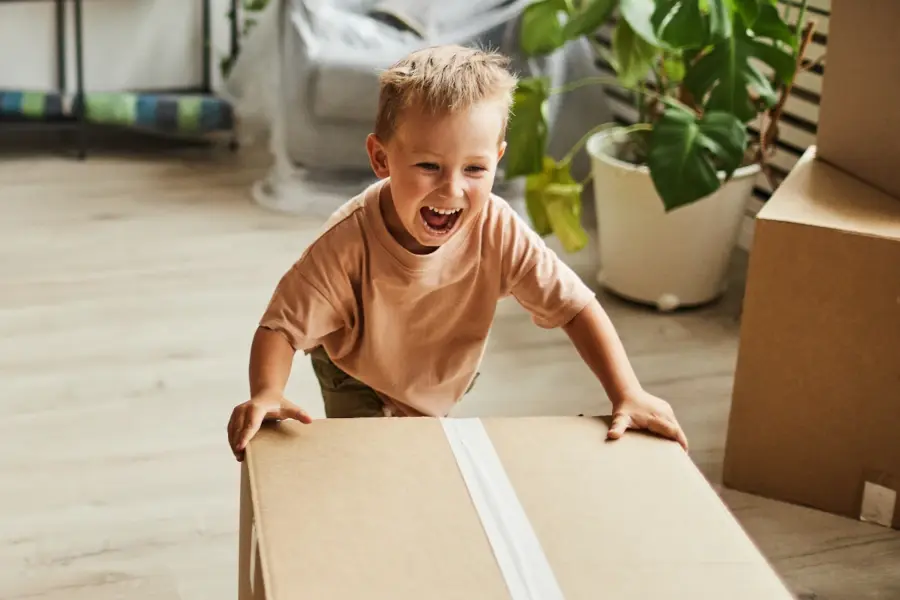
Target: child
(395, 298)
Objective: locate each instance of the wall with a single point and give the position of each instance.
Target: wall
(133, 44)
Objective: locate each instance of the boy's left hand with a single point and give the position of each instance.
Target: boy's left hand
(642, 410)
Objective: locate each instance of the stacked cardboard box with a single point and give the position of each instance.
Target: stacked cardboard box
(537, 507)
(859, 124)
(815, 416)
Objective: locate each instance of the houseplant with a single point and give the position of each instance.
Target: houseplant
(671, 189)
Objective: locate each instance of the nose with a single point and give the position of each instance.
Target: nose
(453, 186)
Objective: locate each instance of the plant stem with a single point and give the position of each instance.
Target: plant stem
(569, 87)
(637, 127)
(800, 18)
(767, 137)
(570, 155)
(639, 103)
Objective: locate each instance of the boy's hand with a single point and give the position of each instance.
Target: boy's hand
(247, 418)
(645, 411)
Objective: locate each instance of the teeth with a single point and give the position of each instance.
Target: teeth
(444, 211)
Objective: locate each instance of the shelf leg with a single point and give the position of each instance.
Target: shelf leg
(79, 82)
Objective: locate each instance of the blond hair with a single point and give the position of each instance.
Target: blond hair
(442, 79)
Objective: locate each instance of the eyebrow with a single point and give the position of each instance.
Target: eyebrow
(430, 153)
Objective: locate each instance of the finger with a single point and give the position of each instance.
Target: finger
(251, 425)
(681, 437)
(234, 427)
(240, 427)
(292, 411)
(238, 420)
(230, 430)
(662, 426)
(620, 424)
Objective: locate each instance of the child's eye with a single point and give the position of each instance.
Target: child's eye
(475, 169)
(428, 166)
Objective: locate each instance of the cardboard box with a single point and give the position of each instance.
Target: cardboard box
(815, 415)
(859, 124)
(385, 509)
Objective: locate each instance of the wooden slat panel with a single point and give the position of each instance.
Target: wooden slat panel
(791, 135)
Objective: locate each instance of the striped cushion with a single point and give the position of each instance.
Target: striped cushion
(32, 105)
(176, 113)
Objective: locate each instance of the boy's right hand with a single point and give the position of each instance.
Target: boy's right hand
(247, 418)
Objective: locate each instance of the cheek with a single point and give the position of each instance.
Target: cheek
(409, 189)
(479, 188)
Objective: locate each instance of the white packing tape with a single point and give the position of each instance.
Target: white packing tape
(878, 504)
(515, 545)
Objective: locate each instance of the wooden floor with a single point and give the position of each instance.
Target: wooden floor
(129, 290)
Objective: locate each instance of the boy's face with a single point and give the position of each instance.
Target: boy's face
(442, 170)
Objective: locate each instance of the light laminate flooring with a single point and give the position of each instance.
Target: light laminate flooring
(129, 290)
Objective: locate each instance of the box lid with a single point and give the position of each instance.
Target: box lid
(378, 508)
(818, 194)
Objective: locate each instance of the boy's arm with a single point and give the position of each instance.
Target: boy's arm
(271, 359)
(557, 297)
(298, 316)
(593, 335)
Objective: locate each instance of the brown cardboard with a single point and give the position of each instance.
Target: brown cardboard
(859, 125)
(378, 509)
(816, 405)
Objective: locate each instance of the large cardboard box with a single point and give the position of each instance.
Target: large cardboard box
(859, 124)
(415, 508)
(815, 415)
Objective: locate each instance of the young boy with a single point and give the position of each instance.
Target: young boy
(395, 298)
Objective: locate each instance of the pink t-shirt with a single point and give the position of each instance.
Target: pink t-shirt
(414, 327)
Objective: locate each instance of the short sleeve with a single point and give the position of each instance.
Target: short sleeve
(539, 280)
(300, 311)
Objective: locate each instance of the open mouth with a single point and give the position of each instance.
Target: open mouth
(440, 221)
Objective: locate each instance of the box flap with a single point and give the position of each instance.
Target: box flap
(377, 508)
(818, 194)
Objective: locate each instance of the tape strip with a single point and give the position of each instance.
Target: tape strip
(878, 504)
(515, 545)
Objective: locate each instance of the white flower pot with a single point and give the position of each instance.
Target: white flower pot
(646, 255)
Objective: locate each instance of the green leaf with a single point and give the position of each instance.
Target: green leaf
(633, 55)
(527, 131)
(553, 201)
(748, 9)
(679, 24)
(542, 29)
(639, 14)
(674, 68)
(720, 21)
(534, 197)
(563, 208)
(587, 20)
(770, 25)
(722, 79)
(686, 154)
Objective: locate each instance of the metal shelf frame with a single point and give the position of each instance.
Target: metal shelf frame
(77, 122)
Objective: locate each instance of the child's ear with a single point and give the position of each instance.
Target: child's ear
(501, 150)
(377, 156)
